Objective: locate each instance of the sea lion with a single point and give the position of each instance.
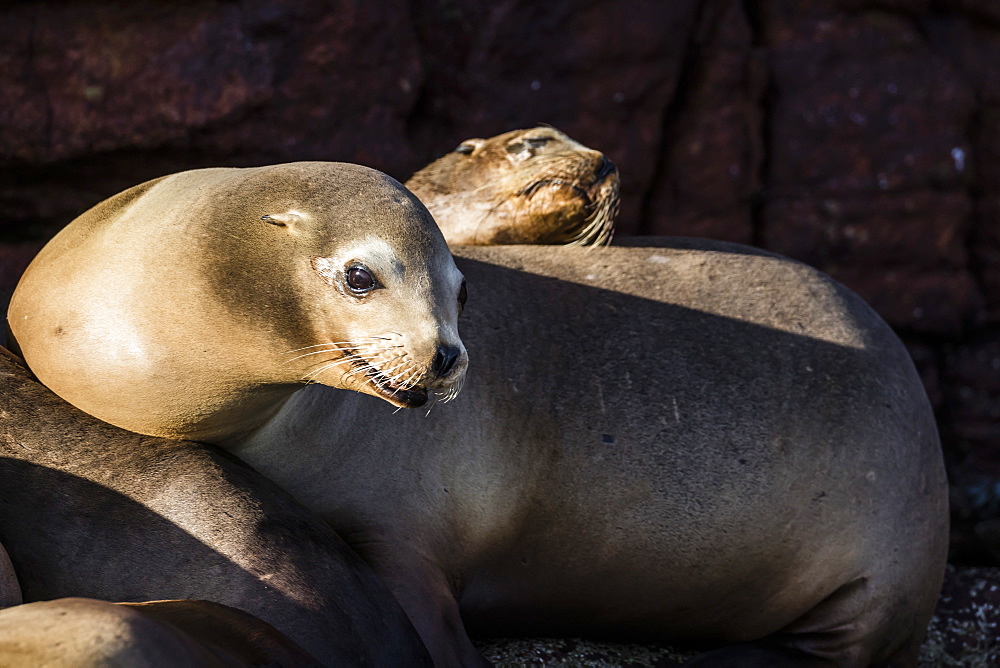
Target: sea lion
(90, 510)
(534, 186)
(192, 305)
(700, 443)
(86, 632)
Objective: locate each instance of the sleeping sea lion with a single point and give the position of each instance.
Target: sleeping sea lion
(533, 186)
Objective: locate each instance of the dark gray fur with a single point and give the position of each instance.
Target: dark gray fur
(699, 442)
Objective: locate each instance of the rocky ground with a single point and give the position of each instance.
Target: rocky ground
(964, 632)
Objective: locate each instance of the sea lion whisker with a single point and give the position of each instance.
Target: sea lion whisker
(453, 391)
(350, 351)
(393, 378)
(413, 379)
(329, 343)
(312, 375)
(599, 228)
(434, 400)
(354, 371)
(319, 352)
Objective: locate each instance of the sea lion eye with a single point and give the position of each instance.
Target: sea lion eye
(465, 149)
(463, 294)
(359, 279)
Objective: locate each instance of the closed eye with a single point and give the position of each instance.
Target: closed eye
(526, 147)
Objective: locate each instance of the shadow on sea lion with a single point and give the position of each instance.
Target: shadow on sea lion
(90, 510)
(157, 634)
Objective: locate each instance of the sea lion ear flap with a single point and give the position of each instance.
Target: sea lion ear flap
(282, 219)
(469, 146)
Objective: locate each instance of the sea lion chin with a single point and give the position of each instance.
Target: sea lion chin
(534, 186)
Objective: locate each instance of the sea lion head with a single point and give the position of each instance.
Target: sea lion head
(352, 278)
(525, 186)
(194, 305)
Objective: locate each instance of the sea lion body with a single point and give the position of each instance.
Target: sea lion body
(700, 442)
(534, 186)
(90, 510)
(83, 632)
(191, 306)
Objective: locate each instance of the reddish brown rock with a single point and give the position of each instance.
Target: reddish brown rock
(282, 79)
(972, 377)
(939, 303)
(986, 250)
(712, 154)
(918, 230)
(851, 94)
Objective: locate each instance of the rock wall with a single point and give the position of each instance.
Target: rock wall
(862, 136)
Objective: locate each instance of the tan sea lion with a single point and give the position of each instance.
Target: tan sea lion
(90, 510)
(520, 187)
(83, 632)
(699, 442)
(191, 306)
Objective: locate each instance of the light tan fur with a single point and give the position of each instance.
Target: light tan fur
(87, 633)
(192, 306)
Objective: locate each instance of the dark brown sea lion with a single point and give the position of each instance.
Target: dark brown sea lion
(521, 187)
(82, 632)
(700, 443)
(90, 510)
(191, 306)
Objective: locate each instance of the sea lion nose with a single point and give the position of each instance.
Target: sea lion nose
(444, 360)
(606, 167)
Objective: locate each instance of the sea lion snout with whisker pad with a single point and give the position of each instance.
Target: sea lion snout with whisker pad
(191, 306)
